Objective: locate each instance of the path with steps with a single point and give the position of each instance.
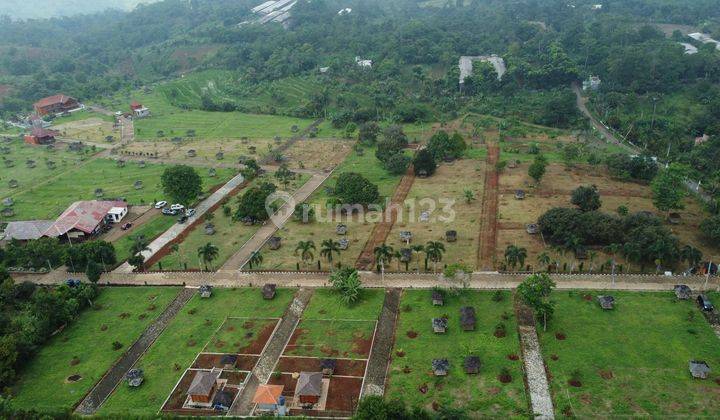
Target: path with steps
(379, 362)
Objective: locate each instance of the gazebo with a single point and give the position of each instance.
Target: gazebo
(205, 291)
(472, 365)
(135, 377)
(439, 325)
(343, 244)
(437, 298)
(451, 236)
(532, 228)
(699, 369)
(467, 318)
(440, 367)
(275, 243)
(406, 236)
(268, 291)
(519, 195)
(341, 229)
(682, 291)
(606, 302)
(327, 366)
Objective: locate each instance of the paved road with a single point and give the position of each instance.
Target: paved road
(238, 261)
(177, 228)
(116, 374)
(381, 353)
(537, 381)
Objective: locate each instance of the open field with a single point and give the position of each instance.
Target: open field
(229, 235)
(358, 230)
(317, 154)
(416, 345)
(180, 343)
(149, 230)
(445, 187)
(85, 348)
(555, 191)
(92, 128)
(49, 200)
(27, 177)
(631, 361)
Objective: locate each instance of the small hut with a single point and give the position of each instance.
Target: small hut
(99, 192)
(8, 202)
(682, 291)
(134, 377)
(341, 229)
(13, 183)
(138, 185)
(422, 173)
(532, 228)
(7, 212)
(439, 325)
(425, 216)
(268, 291)
(674, 218)
(205, 291)
(472, 365)
(606, 302)
(209, 229)
(327, 366)
(519, 194)
(309, 388)
(437, 298)
(219, 155)
(212, 172)
(343, 244)
(120, 163)
(228, 361)
(406, 236)
(440, 367)
(467, 318)
(699, 369)
(275, 243)
(191, 153)
(451, 236)
(247, 221)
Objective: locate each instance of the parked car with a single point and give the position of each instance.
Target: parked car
(169, 212)
(182, 219)
(126, 226)
(72, 282)
(705, 303)
(177, 207)
(160, 204)
(190, 212)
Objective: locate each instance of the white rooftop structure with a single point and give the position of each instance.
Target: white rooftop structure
(592, 83)
(690, 49)
(345, 11)
(705, 39)
(363, 63)
(466, 65)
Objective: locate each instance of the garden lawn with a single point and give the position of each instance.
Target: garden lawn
(124, 311)
(174, 351)
(481, 395)
(150, 230)
(631, 361)
(49, 200)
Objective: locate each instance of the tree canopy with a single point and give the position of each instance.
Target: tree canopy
(182, 184)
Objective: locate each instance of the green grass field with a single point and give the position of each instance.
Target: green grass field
(49, 199)
(150, 230)
(174, 351)
(121, 315)
(631, 361)
(481, 395)
(82, 115)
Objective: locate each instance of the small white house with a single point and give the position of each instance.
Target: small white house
(141, 112)
(324, 70)
(116, 214)
(592, 83)
(363, 63)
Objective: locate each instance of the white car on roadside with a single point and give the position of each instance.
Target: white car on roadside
(190, 212)
(177, 207)
(160, 204)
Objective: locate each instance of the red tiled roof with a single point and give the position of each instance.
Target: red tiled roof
(84, 216)
(268, 394)
(52, 100)
(40, 132)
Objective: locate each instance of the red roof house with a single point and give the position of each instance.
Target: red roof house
(55, 104)
(40, 135)
(82, 219)
(135, 105)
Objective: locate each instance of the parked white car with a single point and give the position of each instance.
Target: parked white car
(190, 212)
(160, 204)
(177, 207)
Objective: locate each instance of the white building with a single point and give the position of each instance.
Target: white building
(141, 112)
(592, 83)
(363, 63)
(466, 65)
(705, 39)
(116, 214)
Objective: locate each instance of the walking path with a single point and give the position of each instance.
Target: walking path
(240, 258)
(537, 381)
(116, 374)
(488, 226)
(600, 127)
(380, 232)
(177, 229)
(379, 362)
(243, 405)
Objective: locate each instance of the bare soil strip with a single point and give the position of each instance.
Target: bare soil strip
(488, 231)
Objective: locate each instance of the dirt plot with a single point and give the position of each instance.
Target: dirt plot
(342, 399)
(212, 360)
(344, 367)
(90, 129)
(174, 404)
(242, 336)
(317, 153)
(331, 338)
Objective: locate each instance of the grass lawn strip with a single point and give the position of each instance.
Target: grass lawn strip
(178, 346)
(482, 395)
(237, 336)
(85, 347)
(631, 361)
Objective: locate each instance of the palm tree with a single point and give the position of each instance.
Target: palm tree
(256, 259)
(521, 256)
(544, 260)
(140, 244)
(327, 248)
(417, 249)
(592, 255)
(398, 256)
(208, 253)
(434, 252)
(383, 255)
(305, 249)
(692, 255)
(511, 256)
(613, 250)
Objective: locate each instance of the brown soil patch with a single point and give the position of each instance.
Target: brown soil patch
(587, 298)
(586, 399)
(151, 308)
(493, 390)
(488, 232)
(407, 369)
(412, 334)
(435, 406)
(400, 353)
(554, 357)
(343, 367)
(606, 374)
(124, 315)
(513, 357)
(423, 389)
(575, 383)
(500, 333)
(717, 381)
(322, 311)
(567, 412)
(75, 361)
(329, 351)
(506, 379)
(191, 343)
(220, 344)
(103, 327)
(560, 336)
(361, 345)
(73, 378)
(257, 346)
(246, 325)
(142, 316)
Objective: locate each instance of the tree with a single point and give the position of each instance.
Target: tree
(469, 196)
(692, 255)
(669, 190)
(398, 163)
(441, 145)
(182, 184)
(537, 169)
(515, 256)
(252, 204)
(208, 253)
(424, 162)
(304, 213)
(93, 272)
(255, 260)
(571, 153)
(544, 260)
(434, 252)
(347, 282)
(711, 228)
(305, 250)
(586, 198)
(284, 175)
(352, 188)
(383, 256)
(329, 247)
(535, 292)
(137, 261)
(368, 133)
(417, 249)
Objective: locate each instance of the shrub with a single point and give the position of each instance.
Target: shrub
(424, 162)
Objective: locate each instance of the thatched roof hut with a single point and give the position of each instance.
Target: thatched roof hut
(275, 243)
(606, 302)
(699, 369)
(451, 236)
(439, 325)
(268, 291)
(467, 318)
(682, 291)
(472, 365)
(440, 367)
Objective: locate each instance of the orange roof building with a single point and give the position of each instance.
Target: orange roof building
(269, 399)
(55, 104)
